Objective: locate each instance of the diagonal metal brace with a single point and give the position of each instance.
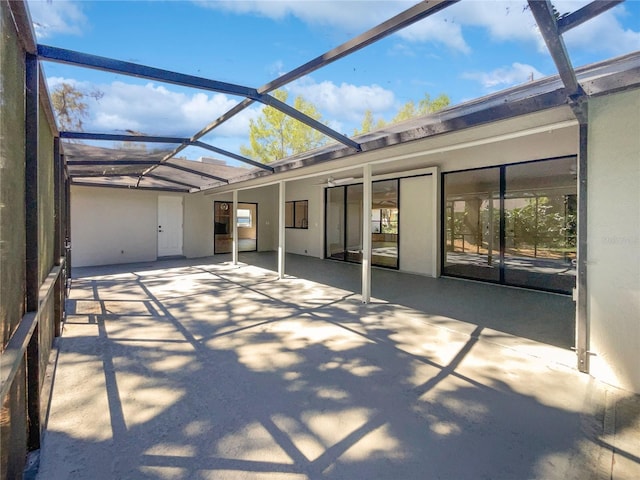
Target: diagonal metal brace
(307, 120)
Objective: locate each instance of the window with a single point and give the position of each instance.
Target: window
(296, 214)
(244, 218)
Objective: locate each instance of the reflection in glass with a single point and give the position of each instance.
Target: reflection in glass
(344, 222)
(472, 224)
(539, 215)
(354, 223)
(247, 221)
(384, 223)
(334, 227)
(540, 225)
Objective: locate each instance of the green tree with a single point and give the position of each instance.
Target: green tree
(70, 106)
(425, 106)
(275, 135)
(369, 123)
(408, 111)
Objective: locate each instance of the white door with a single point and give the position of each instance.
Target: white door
(169, 226)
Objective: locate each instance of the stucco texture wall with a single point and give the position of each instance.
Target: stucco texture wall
(306, 241)
(613, 270)
(110, 226)
(198, 226)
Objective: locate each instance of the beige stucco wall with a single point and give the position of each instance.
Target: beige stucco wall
(111, 226)
(307, 241)
(613, 270)
(417, 235)
(198, 226)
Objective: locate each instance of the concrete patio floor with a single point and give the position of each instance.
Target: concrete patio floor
(198, 369)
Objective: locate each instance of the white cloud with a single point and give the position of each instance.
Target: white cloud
(504, 20)
(435, 29)
(605, 33)
(156, 110)
(504, 77)
(57, 17)
(346, 101)
(344, 14)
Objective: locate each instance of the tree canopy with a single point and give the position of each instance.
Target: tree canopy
(275, 135)
(407, 111)
(70, 106)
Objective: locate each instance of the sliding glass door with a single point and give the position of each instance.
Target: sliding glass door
(344, 220)
(472, 225)
(247, 220)
(514, 224)
(384, 223)
(540, 210)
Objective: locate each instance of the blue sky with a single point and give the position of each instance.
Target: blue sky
(470, 49)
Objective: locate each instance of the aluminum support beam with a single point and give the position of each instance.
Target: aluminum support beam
(316, 125)
(195, 172)
(96, 62)
(170, 180)
(582, 317)
(160, 139)
(58, 241)
(235, 244)
(217, 122)
(240, 158)
(121, 163)
(281, 229)
(366, 233)
(32, 281)
(79, 59)
(121, 138)
(131, 187)
(585, 13)
(402, 20)
(543, 13)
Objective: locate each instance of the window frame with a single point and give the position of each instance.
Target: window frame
(304, 222)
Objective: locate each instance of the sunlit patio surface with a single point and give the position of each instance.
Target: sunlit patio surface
(199, 369)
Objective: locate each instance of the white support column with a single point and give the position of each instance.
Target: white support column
(366, 233)
(234, 228)
(438, 246)
(281, 229)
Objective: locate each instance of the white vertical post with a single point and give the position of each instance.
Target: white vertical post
(281, 229)
(234, 228)
(366, 233)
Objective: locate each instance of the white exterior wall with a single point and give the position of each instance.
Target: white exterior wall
(613, 229)
(417, 235)
(307, 241)
(198, 226)
(110, 226)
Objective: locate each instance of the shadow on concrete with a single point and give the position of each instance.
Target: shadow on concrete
(213, 371)
(539, 316)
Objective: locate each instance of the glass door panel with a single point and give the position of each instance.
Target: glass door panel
(247, 219)
(540, 225)
(222, 227)
(384, 223)
(334, 223)
(354, 223)
(472, 224)
(247, 227)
